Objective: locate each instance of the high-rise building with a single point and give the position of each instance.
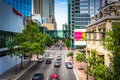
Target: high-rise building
(37, 9)
(46, 9)
(79, 13)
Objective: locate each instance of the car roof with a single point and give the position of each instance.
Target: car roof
(68, 63)
(37, 74)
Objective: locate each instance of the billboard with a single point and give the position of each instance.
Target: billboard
(79, 36)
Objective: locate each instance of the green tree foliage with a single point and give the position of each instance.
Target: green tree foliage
(97, 69)
(70, 54)
(31, 40)
(67, 42)
(80, 57)
(49, 40)
(112, 43)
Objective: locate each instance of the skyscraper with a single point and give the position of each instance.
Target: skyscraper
(37, 7)
(46, 9)
(79, 13)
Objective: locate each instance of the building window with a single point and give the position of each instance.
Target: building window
(5, 38)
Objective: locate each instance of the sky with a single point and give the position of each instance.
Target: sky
(61, 13)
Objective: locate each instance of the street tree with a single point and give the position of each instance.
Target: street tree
(70, 54)
(97, 69)
(67, 43)
(112, 44)
(30, 40)
(80, 57)
(49, 40)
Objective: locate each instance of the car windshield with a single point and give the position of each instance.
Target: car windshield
(69, 63)
(36, 77)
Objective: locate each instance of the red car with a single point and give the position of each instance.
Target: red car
(54, 77)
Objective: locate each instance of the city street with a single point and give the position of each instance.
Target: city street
(48, 69)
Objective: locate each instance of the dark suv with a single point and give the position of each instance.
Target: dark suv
(38, 76)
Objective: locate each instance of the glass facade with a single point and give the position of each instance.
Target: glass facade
(22, 6)
(5, 38)
(79, 13)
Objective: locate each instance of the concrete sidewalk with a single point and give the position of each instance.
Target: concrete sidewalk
(11, 73)
(80, 74)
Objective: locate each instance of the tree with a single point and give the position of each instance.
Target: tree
(97, 69)
(30, 41)
(112, 43)
(49, 41)
(67, 42)
(81, 58)
(70, 54)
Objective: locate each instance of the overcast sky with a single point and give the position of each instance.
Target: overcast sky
(61, 13)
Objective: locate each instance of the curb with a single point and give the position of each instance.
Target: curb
(77, 78)
(23, 72)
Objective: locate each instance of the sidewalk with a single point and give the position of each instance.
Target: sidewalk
(79, 73)
(11, 75)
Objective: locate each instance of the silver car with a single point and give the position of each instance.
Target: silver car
(69, 65)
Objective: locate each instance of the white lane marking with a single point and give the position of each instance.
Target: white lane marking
(42, 66)
(47, 79)
(76, 75)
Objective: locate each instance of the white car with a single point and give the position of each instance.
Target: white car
(51, 57)
(59, 58)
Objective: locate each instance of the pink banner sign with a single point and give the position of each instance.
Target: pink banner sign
(78, 35)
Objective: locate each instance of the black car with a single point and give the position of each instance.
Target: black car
(38, 76)
(48, 61)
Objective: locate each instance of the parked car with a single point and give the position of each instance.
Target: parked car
(38, 76)
(48, 61)
(69, 65)
(54, 77)
(57, 64)
(40, 60)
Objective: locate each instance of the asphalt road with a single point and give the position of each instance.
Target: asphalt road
(48, 69)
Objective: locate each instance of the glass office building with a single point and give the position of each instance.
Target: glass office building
(12, 18)
(79, 13)
(22, 6)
